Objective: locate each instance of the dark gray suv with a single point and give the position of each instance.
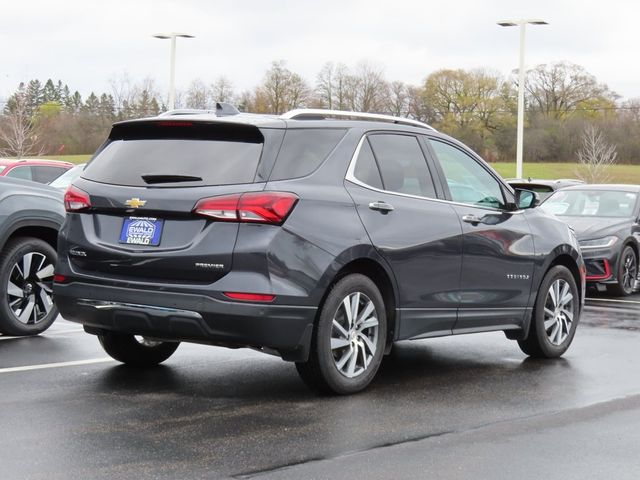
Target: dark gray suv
(320, 236)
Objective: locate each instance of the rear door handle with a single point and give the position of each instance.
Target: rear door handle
(383, 207)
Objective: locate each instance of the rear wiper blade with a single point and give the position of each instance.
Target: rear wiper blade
(169, 178)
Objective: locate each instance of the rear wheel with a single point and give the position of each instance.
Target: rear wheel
(136, 350)
(349, 338)
(627, 273)
(555, 315)
(26, 280)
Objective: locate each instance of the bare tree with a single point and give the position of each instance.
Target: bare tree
(19, 132)
(222, 90)
(398, 101)
(596, 155)
(281, 90)
(198, 95)
(123, 91)
(559, 88)
(371, 88)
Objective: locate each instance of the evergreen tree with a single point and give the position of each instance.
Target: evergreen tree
(107, 107)
(49, 93)
(92, 105)
(72, 103)
(12, 102)
(60, 90)
(65, 96)
(34, 96)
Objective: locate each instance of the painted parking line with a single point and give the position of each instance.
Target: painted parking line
(42, 366)
(636, 302)
(47, 334)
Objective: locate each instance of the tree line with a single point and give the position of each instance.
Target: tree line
(477, 107)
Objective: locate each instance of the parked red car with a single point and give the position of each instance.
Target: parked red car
(37, 170)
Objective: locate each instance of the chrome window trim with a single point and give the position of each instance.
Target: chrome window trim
(350, 177)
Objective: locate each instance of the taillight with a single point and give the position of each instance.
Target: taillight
(258, 207)
(76, 200)
(57, 278)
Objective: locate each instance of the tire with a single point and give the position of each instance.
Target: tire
(346, 355)
(553, 323)
(26, 279)
(136, 351)
(626, 274)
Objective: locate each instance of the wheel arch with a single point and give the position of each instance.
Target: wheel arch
(43, 229)
(566, 257)
(376, 270)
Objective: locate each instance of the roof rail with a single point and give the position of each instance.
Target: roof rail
(315, 113)
(222, 110)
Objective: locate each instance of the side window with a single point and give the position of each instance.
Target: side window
(468, 181)
(20, 172)
(366, 169)
(402, 164)
(303, 150)
(44, 174)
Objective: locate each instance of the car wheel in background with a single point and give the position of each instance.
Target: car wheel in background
(627, 273)
(137, 351)
(349, 338)
(26, 279)
(555, 315)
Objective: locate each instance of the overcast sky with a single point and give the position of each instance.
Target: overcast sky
(84, 43)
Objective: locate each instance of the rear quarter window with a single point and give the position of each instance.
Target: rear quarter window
(304, 150)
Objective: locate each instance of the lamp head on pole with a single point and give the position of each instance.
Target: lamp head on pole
(515, 23)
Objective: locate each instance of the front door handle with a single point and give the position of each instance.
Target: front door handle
(383, 207)
(471, 218)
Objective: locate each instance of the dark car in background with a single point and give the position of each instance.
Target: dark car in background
(605, 219)
(544, 188)
(30, 217)
(36, 170)
(319, 236)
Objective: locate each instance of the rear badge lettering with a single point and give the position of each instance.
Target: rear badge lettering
(512, 276)
(210, 266)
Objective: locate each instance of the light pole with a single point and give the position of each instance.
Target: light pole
(172, 68)
(522, 23)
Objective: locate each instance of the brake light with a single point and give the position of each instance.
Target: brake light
(250, 297)
(76, 200)
(174, 124)
(255, 207)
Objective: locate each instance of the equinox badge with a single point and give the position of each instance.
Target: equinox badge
(135, 202)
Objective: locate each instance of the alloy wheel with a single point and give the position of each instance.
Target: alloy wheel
(354, 334)
(29, 288)
(558, 311)
(629, 272)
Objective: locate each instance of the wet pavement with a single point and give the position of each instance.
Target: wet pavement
(469, 406)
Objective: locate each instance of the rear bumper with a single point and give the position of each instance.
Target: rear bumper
(188, 317)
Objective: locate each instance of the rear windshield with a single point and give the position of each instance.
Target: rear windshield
(150, 155)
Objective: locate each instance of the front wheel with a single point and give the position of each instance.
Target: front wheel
(555, 315)
(349, 338)
(627, 273)
(135, 350)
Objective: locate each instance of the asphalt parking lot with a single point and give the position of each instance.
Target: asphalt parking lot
(462, 407)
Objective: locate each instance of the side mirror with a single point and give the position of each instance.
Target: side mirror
(526, 199)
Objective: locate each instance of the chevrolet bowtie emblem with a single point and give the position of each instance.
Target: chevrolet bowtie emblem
(135, 202)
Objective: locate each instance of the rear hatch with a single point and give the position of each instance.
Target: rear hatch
(135, 200)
